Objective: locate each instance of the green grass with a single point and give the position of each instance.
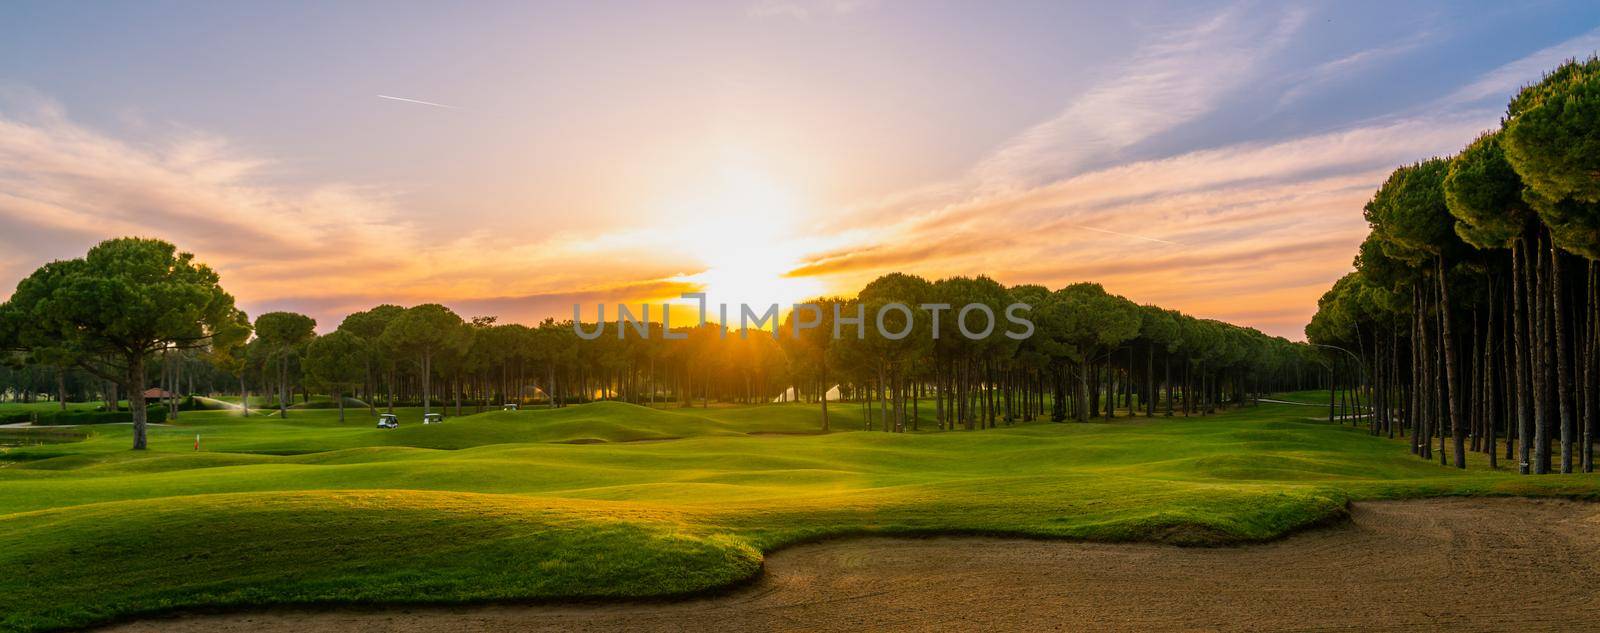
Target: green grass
(614, 500)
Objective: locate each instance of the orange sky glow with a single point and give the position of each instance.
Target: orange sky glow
(1213, 160)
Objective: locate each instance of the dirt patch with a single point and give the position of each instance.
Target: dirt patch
(1452, 564)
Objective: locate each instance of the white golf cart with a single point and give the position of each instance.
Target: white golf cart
(432, 418)
(388, 421)
(509, 406)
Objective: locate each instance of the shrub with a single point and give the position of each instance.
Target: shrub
(155, 414)
(15, 417)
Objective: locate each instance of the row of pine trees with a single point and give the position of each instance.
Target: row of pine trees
(1475, 301)
(1091, 354)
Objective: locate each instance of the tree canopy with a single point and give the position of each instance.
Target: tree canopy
(125, 299)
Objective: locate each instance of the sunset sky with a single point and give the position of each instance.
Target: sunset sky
(515, 159)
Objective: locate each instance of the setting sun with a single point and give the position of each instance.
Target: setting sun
(746, 232)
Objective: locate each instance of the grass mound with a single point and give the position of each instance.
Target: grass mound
(87, 564)
(599, 421)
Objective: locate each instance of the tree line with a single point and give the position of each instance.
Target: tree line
(1474, 305)
(135, 311)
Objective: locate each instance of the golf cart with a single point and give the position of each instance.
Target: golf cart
(388, 421)
(432, 418)
(509, 406)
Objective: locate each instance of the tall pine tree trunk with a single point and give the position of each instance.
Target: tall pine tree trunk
(136, 405)
(1592, 358)
(1519, 332)
(1541, 354)
(1451, 386)
(1559, 319)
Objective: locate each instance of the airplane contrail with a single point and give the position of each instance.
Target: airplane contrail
(426, 103)
(1137, 237)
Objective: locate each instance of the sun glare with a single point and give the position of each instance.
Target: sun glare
(744, 231)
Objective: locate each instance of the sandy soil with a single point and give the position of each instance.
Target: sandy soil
(1458, 565)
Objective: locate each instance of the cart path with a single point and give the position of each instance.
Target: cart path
(1449, 564)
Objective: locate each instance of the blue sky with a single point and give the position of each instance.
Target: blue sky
(1210, 157)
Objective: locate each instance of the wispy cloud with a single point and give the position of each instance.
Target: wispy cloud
(329, 247)
(1173, 79)
(1210, 201)
(1503, 83)
(1334, 71)
(1251, 231)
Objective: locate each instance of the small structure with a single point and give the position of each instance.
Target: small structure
(793, 395)
(388, 421)
(157, 393)
(432, 418)
(509, 406)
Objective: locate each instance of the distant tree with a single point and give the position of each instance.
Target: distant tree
(1159, 330)
(555, 345)
(498, 347)
(810, 346)
(1084, 323)
(368, 326)
(283, 335)
(1031, 360)
(423, 332)
(336, 361)
(453, 361)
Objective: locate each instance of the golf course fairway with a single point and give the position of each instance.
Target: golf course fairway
(614, 501)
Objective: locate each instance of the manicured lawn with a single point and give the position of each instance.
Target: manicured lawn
(614, 500)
